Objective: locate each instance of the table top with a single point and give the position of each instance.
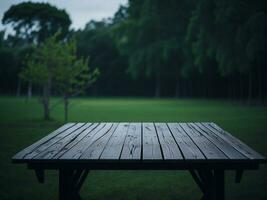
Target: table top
(125, 144)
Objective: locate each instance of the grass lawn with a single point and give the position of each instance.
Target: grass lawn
(21, 124)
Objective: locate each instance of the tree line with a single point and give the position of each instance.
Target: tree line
(49, 59)
(187, 48)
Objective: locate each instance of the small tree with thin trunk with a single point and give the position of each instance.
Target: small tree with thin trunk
(56, 62)
(73, 76)
(33, 22)
(38, 70)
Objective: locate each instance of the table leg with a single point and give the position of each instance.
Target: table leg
(70, 183)
(219, 184)
(210, 182)
(64, 184)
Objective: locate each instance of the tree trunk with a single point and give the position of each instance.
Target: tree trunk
(234, 93)
(66, 104)
(18, 88)
(259, 83)
(46, 98)
(46, 103)
(249, 87)
(229, 89)
(29, 90)
(241, 84)
(204, 88)
(177, 88)
(158, 84)
(190, 89)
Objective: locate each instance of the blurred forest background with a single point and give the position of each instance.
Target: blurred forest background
(186, 48)
(194, 50)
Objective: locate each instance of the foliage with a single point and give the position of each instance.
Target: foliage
(230, 34)
(153, 37)
(56, 62)
(36, 21)
(97, 42)
(167, 48)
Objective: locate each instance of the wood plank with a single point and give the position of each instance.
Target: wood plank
(54, 149)
(151, 146)
(224, 146)
(97, 146)
(114, 146)
(208, 148)
(188, 148)
(132, 146)
(35, 145)
(53, 140)
(236, 143)
(168, 144)
(79, 149)
(82, 136)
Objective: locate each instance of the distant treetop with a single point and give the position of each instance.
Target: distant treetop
(37, 20)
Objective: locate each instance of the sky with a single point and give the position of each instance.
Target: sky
(80, 11)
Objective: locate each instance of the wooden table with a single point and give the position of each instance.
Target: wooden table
(205, 149)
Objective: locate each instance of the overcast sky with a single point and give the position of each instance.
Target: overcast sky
(80, 11)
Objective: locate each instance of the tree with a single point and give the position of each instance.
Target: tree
(37, 21)
(56, 62)
(254, 33)
(153, 39)
(231, 35)
(33, 23)
(73, 75)
(154, 47)
(96, 41)
(8, 65)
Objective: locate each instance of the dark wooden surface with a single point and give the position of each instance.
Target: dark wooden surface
(161, 144)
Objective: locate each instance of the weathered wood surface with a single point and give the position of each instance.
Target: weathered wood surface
(30, 148)
(221, 144)
(77, 151)
(168, 144)
(138, 142)
(96, 147)
(235, 142)
(133, 143)
(114, 146)
(188, 148)
(62, 145)
(40, 148)
(209, 150)
(151, 145)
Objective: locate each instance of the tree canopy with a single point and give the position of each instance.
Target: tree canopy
(55, 65)
(187, 48)
(36, 21)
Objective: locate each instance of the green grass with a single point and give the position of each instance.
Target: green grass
(21, 124)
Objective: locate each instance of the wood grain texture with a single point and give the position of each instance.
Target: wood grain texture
(151, 146)
(206, 147)
(224, 146)
(53, 140)
(188, 148)
(95, 149)
(132, 146)
(77, 151)
(43, 140)
(62, 144)
(140, 145)
(79, 138)
(235, 142)
(114, 146)
(168, 144)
